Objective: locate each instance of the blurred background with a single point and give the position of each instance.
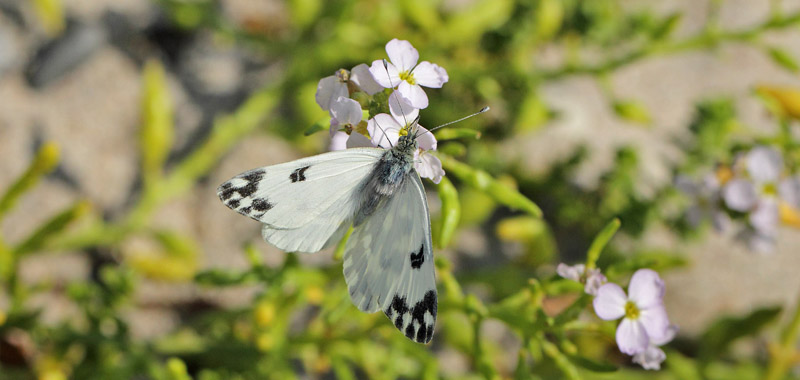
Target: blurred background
(118, 120)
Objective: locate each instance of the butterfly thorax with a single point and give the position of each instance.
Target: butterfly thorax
(388, 175)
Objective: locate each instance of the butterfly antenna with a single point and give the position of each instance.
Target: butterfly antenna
(484, 109)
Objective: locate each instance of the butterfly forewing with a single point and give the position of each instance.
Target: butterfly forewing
(305, 204)
(388, 262)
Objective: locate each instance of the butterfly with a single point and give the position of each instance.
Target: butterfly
(309, 204)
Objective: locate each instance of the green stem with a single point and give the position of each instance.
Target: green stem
(784, 352)
(708, 38)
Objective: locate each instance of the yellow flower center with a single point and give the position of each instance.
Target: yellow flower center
(404, 131)
(631, 311)
(408, 77)
(769, 188)
(724, 174)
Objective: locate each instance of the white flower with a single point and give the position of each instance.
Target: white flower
(332, 87)
(592, 279)
(406, 75)
(345, 117)
(386, 130)
(652, 357)
(644, 316)
(760, 190)
(706, 198)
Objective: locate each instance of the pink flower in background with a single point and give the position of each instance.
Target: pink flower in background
(406, 75)
(644, 318)
(759, 190)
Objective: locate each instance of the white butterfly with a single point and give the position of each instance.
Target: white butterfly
(309, 204)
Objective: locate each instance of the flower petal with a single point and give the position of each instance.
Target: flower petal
(429, 166)
(362, 76)
(672, 330)
(740, 195)
(338, 141)
(571, 272)
(384, 130)
(789, 191)
(651, 358)
(414, 94)
(358, 140)
(631, 337)
(765, 217)
(401, 109)
(764, 164)
(425, 139)
(594, 280)
(387, 77)
(655, 322)
(646, 288)
(429, 75)
(328, 90)
(402, 54)
(346, 111)
(610, 302)
(757, 242)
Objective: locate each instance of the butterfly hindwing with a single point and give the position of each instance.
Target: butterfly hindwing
(388, 262)
(303, 203)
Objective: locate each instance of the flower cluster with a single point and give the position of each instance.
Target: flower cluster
(645, 326)
(756, 188)
(347, 94)
(592, 279)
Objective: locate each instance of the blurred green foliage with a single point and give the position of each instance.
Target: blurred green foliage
(301, 323)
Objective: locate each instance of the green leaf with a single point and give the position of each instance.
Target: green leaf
(457, 133)
(666, 27)
(451, 212)
(600, 242)
(56, 224)
(718, 338)
(784, 59)
(475, 20)
(549, 17)
(632, 111)
(481, 180)
(561, 361)
(157, 130)
(45, 161)
(320, 125)
(304, 12)
(592, 365)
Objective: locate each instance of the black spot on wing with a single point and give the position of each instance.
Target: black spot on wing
(298, 175)
(400, 308)
(261, 205)
(417, 259)
(257, 207)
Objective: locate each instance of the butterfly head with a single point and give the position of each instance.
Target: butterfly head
(407, 142)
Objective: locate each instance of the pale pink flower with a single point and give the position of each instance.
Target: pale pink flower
(758, 190)
(652, 357)
(346, 114)
(644, 318)
(403, 73)
(332, 87)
